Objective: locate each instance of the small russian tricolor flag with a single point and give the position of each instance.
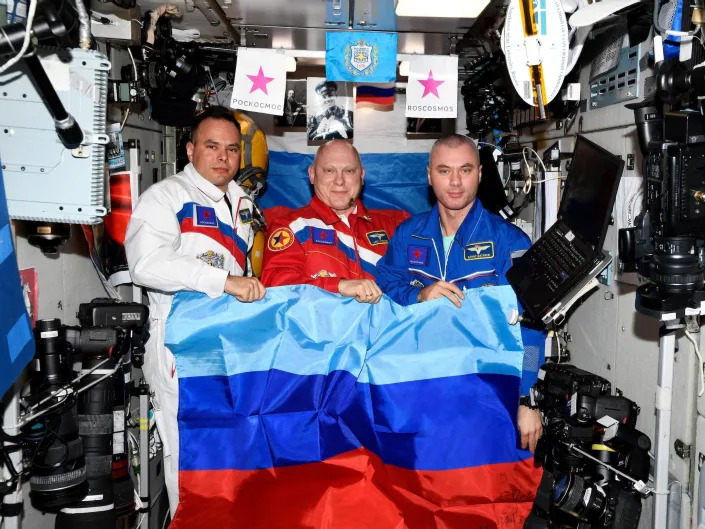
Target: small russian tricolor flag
(377, 96)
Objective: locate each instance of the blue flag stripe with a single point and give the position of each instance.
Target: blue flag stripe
(423, 425)
(16, 339)
(417, 346)
(392, 181)
(5, 243)
(366, 90)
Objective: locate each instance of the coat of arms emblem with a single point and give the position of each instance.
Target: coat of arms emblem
(360, 58)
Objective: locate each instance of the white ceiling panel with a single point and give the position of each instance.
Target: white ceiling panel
(301, 24)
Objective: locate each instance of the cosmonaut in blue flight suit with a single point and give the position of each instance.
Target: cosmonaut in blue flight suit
(455, 246)
(479, 254)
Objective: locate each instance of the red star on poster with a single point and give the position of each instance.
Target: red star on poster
(259, 81)
(430, 85)
(417, 253)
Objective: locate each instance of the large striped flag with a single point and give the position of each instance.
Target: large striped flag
(17, 340)
(310, 410)
(393, 181)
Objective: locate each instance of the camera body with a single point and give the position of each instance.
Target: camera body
(487, 103)
(110, 327)
(588, 434)
(666, 245)
(170, 73)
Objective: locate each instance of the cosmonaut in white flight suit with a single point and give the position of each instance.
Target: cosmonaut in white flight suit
(191, 231)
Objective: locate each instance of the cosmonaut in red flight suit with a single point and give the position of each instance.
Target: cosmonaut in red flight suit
(334, 242)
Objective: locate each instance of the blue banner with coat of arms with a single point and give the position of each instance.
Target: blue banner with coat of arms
(359, 56)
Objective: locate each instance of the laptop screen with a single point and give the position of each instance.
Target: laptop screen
(590, 191)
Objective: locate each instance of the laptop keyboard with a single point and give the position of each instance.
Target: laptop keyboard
(554, 259)
(565, 253)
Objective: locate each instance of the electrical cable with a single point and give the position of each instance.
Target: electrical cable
(517, 209)
(549, 179)
(698, 38)
(490, 144)
(134, 69)
(27, 38)
(661, 30)
(527, 185)
(630, 206)
(215, 90)
(134, 64)
(122, 125)
(69, 390)
(105, 21)
(700, 364)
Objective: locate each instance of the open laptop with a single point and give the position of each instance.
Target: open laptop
(570, 253)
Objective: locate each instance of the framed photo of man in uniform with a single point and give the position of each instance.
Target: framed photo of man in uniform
(329, 111)
(294, 118)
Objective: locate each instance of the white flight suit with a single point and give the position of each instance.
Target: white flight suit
(181, 237)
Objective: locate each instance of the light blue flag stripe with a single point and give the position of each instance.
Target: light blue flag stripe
(6, 248)
(304, 330)
(18, 337)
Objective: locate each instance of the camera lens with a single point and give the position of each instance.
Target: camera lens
(95, 425)
(575, 496)
(676, 266)
(58, 467)
(52, 352)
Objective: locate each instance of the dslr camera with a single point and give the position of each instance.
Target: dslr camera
(595, 462)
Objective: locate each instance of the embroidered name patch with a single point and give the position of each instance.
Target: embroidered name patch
(280, 239)
(205, 216)
(321, 236)
(417, 255)
(479, 250)
(245, 216)
(377, 237)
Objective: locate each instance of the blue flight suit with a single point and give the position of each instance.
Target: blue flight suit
(479, 255)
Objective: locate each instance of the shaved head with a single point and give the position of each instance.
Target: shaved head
(337, 176)
(328, 144)
(454, 141)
